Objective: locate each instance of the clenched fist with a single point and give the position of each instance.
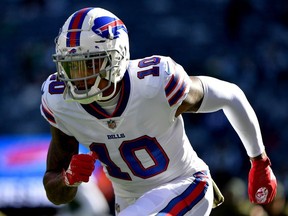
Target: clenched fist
(80, 169)
(262, 183)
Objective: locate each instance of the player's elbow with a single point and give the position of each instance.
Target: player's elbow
(53, 200)
(236, 92)
(57, 200)
(56, 191)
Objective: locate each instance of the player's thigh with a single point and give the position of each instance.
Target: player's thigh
(186, 196)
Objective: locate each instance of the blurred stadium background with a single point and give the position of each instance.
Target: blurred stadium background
(242, 41)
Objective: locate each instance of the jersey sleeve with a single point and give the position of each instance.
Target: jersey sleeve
(176, 84)
(50, 95)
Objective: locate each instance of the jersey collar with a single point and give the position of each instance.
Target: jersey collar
(97, 111)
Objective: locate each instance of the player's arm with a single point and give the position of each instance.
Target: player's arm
(66, 169)
(194, 98)
(61, 150)
(207, 94)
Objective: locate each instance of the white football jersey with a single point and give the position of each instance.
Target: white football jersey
(141, 144)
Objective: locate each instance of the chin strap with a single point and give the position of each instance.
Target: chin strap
(103, 98)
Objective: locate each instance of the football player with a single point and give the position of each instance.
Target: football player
(128, 114)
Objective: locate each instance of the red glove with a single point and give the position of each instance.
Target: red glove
(262, 183)
(80, 169)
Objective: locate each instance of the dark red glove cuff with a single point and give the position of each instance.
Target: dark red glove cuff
(261, 163)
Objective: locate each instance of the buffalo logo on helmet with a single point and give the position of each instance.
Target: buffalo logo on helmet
(72, 51)
(101, 27)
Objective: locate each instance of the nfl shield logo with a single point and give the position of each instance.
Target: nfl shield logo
(111, 124)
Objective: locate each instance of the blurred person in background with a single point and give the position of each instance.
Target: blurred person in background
(278, 207)
(128, 114)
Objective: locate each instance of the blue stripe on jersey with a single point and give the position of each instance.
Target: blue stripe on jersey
(124, 97)
(73, 37)
(172, 84)
(48, 115)
(173, 100)
(183, 203)
(97, 111)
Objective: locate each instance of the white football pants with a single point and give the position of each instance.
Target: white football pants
(189, 196)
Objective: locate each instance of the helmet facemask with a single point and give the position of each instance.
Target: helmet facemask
(82, 74)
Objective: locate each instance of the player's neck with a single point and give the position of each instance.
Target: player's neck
(110, 105)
